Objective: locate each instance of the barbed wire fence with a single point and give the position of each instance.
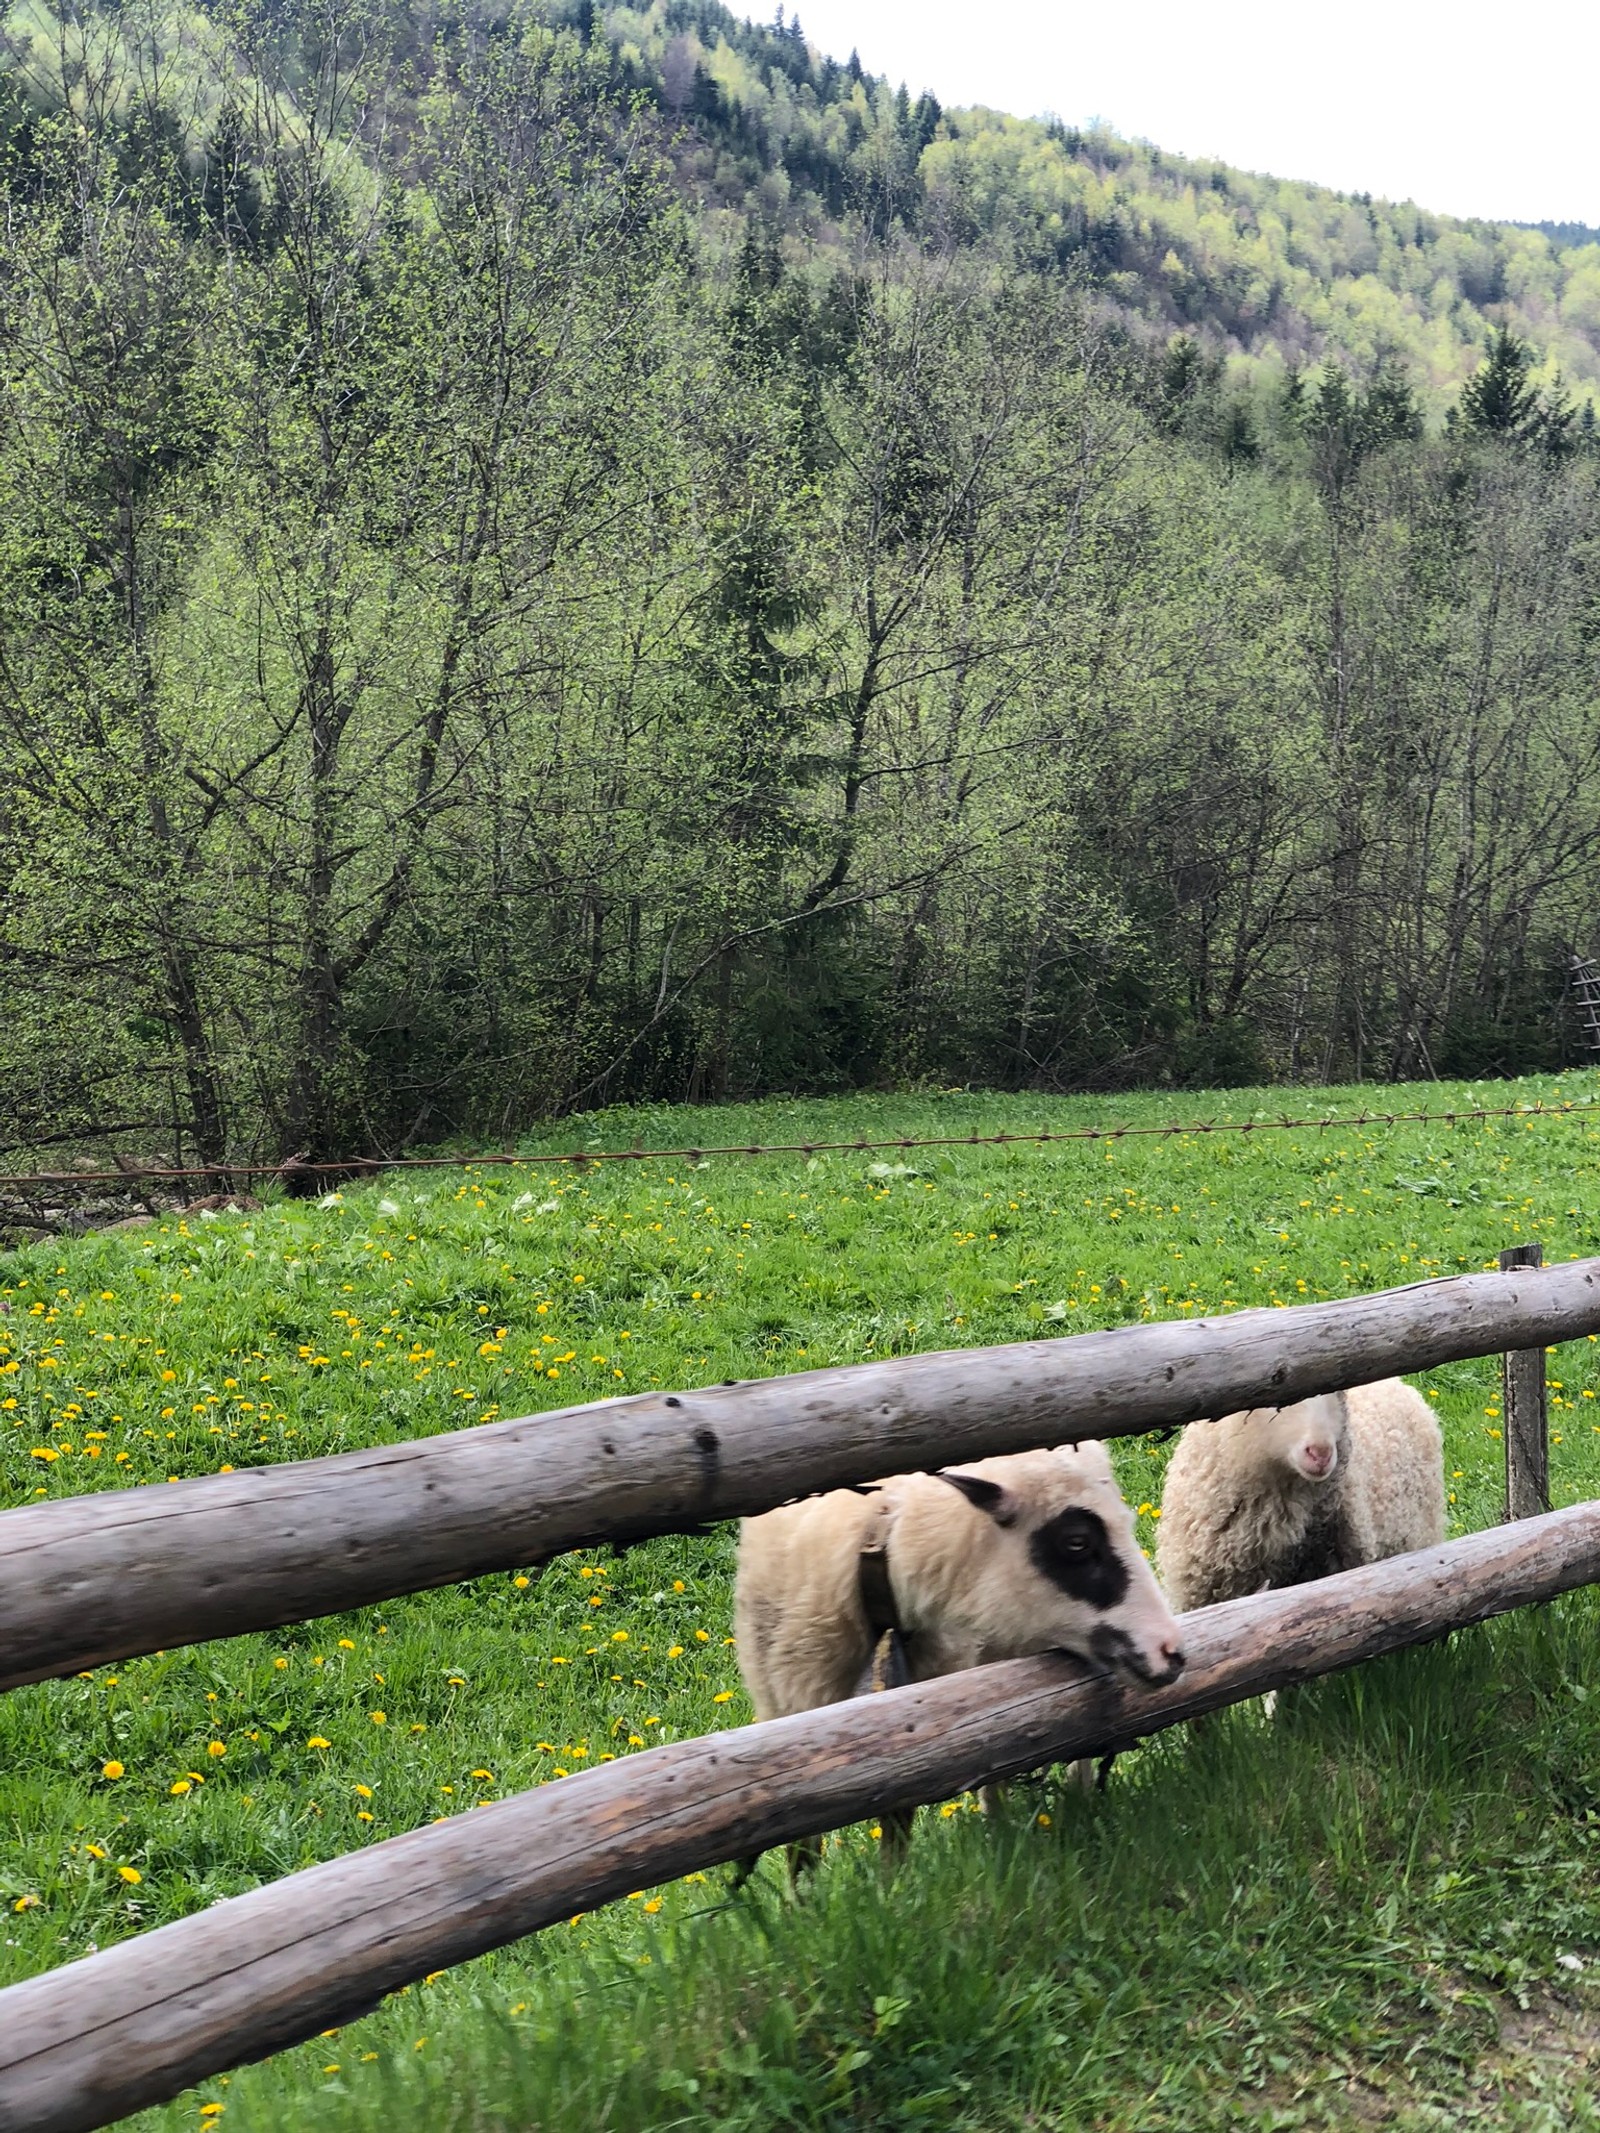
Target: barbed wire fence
(301, 1172)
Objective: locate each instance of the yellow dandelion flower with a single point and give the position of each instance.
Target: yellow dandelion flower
(216, 1747)
(113, 1769)
(318, 1741)
(131, 1875)
(379, 1718)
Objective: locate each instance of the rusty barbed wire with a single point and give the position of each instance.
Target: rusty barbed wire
(365, 1167)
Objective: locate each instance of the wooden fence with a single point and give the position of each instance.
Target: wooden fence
(95, 2039)
(89, 1579)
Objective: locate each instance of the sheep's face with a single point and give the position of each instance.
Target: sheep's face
(1309, 1439)
(1060, 1567)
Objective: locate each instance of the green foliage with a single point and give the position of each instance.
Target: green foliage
(1378, 1886)
(1282, 271)
(1498, 401)
(509, 601)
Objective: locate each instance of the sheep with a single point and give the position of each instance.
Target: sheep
(1026, 1553)
(1278, 1496)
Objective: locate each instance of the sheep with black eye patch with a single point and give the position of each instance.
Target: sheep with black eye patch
(1279, 1496)
(998, 1559)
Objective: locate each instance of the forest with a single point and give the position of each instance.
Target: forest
(560, 556)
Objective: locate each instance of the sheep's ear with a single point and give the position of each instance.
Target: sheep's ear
(983, 1495)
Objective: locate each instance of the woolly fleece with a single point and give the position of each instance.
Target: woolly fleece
(1239, 1512)
(966, 1587)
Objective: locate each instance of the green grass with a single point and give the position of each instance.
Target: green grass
(1354, 1914)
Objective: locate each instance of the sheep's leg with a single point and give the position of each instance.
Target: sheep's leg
(802, 1858)
(896, 1839)
(743, 1869)
(991, 1798)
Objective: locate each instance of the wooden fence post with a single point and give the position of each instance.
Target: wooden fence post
(1526, 1429)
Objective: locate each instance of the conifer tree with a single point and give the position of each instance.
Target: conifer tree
(1499, 401)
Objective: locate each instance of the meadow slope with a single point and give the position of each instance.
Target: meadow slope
(1381, 1908)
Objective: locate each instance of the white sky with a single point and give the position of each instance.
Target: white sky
(1468, 111)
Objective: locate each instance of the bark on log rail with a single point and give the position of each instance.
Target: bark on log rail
(82, 2045)
(88, 1579)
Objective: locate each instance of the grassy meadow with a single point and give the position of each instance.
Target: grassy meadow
(1382, 1907)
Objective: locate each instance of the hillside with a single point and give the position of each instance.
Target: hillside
(1262, 268)
(1259, 266)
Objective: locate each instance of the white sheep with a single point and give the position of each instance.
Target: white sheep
(1278, 1496)
(1026, 1553)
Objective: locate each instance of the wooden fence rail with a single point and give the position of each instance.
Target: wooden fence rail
(88, 1579)
(86, 2043)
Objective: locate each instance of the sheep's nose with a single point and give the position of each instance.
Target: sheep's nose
(1317, 1457)
(1175, 1655)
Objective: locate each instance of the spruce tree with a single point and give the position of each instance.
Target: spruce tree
(1499, 401)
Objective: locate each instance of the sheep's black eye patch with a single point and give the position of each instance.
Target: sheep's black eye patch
(1074, 1550)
